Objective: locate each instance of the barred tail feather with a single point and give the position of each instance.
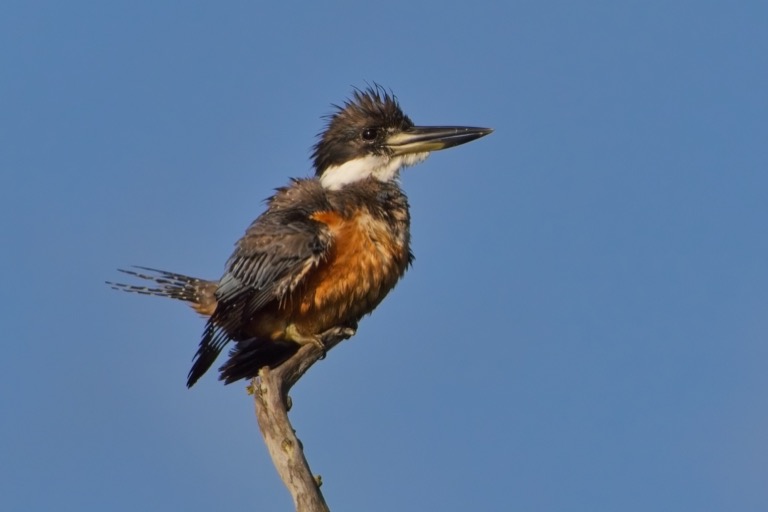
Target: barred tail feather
(199, 293)
(245, 359)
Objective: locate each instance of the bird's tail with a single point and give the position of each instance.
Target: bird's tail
(245, 359)
(198, 293)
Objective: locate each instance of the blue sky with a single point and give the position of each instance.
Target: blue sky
(584, 328)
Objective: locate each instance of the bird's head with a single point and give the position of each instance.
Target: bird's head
(370, 136)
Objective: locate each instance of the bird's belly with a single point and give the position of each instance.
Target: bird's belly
(365, 262)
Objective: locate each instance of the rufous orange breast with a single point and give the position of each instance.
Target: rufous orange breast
(364, 263)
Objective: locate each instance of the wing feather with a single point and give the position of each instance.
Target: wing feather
(277, 251)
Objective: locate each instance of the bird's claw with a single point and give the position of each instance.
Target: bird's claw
(324, 340)
(333, 336)
(338, 333)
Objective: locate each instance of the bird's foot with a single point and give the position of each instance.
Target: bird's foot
(324, 340)
(294, 335)
(334, 335)
(337, 334)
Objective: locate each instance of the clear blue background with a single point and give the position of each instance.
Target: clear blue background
(584, 328)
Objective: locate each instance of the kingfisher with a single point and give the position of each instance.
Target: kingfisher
(324, 253)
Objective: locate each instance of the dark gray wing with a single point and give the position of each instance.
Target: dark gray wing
(269, 261)
(274, 256)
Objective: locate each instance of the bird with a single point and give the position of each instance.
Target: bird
(326, 250)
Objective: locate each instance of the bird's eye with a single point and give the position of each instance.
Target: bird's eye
(370, 134)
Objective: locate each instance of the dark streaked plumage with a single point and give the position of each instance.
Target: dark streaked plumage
(326, 251)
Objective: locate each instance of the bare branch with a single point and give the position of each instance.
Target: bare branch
(271, 398)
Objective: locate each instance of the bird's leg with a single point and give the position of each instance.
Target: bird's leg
(324, 340)
(339, 333)
(293, 334)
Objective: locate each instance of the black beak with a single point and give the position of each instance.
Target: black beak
(419, 139)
